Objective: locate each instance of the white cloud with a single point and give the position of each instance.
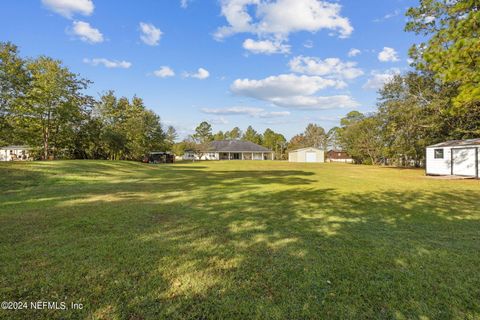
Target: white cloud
(86, 32)
(378, 79)
(282, 85)
(308, 44)
(164, 72)
(265, 46)
(388, 16)
(200, 74)
(388, 54)
(282, 17)
(184, 3)
(68, 8)
(331, 67)
(354, 52)
(429, 19)
(316, 102)
(246, 111)
(293, 91)
(108, 63)
(150, 34)
(218, 120)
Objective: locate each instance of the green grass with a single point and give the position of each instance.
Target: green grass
(240, 240)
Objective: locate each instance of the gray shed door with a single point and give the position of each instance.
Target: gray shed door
(311, 157)
(464, 162)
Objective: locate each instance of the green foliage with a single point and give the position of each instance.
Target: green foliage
(297, 142)
(13, 81)
(203, 132)
(234, 134)
(219, 136)
(452, 49)
(42, 104)
(129, 130)
(315, 136)
(275, 142)
(361, 137)
(333, 138)
(251, 135)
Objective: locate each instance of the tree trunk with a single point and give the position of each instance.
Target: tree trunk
(45, 144)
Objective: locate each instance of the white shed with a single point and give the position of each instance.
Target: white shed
(456, 157)
(306, 155)
(12, 153)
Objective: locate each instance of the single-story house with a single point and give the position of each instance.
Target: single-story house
(338, 156)
(231, 150)
(456, 157)
(306, 155)
(15, 153)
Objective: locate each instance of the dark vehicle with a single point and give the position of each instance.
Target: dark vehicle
(159, 157)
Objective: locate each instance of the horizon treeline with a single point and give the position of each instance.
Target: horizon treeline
(43, 104)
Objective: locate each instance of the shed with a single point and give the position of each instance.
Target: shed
(159, 157)
(339, 156)
(306, 155)
(455, 157)
(15, 153)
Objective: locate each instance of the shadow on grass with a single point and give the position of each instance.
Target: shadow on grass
(195, 244)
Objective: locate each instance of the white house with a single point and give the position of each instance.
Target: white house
(13, 153)
(456, 157)
(231, 150)
(306, 155)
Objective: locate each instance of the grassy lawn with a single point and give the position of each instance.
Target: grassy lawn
(221, 240)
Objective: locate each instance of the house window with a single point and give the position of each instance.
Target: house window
(438, 153)
(211, 155)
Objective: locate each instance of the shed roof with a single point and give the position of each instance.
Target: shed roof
(15, 148)
(236, 146)
(457, 143)
(308, 148)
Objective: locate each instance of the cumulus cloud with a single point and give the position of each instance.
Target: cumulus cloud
(200, 74)
(164, 72)
(108, 63)
(354, 52)
(184, 3)
(282, 17)
(150, 34)
(265, 46)
(293, 91)
(86, 32)
(331, 67)
(68, 8)
(388, 55)
(246, 111)
(378, 79)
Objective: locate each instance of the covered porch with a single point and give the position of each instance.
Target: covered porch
(246, 155)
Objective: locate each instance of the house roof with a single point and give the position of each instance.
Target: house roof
(15, 148)
(236, 146)
(301, 149)
(457, 143)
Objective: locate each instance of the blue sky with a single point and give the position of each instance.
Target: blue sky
(271, 64)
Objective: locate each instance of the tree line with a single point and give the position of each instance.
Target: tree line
(199, 141)
(439, 100)
(43, 104)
